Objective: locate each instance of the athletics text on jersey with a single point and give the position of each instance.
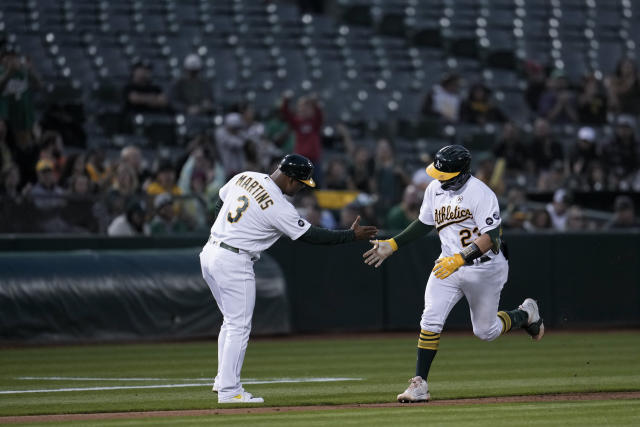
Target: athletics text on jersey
(460, 216)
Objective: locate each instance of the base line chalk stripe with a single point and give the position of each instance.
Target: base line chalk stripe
(115, 379)
(131, 387)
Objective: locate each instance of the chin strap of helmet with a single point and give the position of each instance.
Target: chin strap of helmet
(456, 182)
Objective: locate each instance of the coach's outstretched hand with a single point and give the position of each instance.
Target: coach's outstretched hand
(380, 251)
(363, 232)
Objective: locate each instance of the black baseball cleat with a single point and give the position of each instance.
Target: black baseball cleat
(534, 327)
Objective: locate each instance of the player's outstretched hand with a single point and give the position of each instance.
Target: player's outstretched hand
(363, 232)
(380, 251)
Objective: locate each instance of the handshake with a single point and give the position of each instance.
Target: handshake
(383, 249)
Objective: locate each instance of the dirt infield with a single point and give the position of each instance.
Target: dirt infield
(280, 409)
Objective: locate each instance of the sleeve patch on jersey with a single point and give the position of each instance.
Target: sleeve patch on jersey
(489, 221)
(301, 223)
(496, 216)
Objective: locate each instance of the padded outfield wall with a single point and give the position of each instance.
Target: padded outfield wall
(83, 289)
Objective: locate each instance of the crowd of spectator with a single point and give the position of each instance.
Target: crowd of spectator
(48, 185)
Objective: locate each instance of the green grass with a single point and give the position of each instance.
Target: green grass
(596, 413)
(464, 367)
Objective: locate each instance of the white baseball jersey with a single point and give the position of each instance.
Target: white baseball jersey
(461, 216)
(255, 214)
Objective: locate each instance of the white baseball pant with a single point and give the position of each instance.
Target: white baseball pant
(481, 284)
(231, 278)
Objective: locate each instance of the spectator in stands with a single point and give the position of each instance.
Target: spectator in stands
(557, 103)
(46, 193)
(79, 185)
(420, 177)
(80, 211)
(390, 178)
(404, 213)
(575, 219)
(10, 182)
(6, 157)
(196, 177)
(26, 155)
(336, 177)
(230, 141)
(306, 123)
(511, 148)
(132, 157)
(478, 108)
(624, 88)
(538, 221)
(597, 177)
(277, 130)
(309, 209)
(74, 165)
(624, 214)
(312, 214)
(140, 94)
(361, 169)
(490, 171)
(557, 209)
(349, 213)
(193, 209)
(553, 178)
(484, 170)
(536, 83)
(130, 223)
(583, 153)
(96, 167)
(125, 181)
(517, 220)
(192, 94)
(254, 130)
(592, 102)
(165, 181)
(444, 99)
(17, 83)
(197, 162)
(621, 153)
(515, 212)
(202, 160)
(165, 220)
(52, 148)
(543, 148)
(635, 182)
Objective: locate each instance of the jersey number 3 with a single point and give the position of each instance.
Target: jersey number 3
(239, 210)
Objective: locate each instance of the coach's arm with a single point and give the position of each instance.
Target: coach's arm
(322, 236)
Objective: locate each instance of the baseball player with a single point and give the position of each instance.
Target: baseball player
(251, 215)
(466, 215)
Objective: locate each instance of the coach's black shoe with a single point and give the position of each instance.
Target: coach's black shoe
(534, 327)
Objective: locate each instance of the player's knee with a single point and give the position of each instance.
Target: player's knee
(431, 327)
(238, 328)
(484, 333)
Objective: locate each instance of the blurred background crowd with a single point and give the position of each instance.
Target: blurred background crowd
(567, 161)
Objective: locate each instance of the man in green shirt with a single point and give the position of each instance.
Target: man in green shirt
(17, 81)
(405, 212)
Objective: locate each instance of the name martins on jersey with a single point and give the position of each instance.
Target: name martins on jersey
(256, 191)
